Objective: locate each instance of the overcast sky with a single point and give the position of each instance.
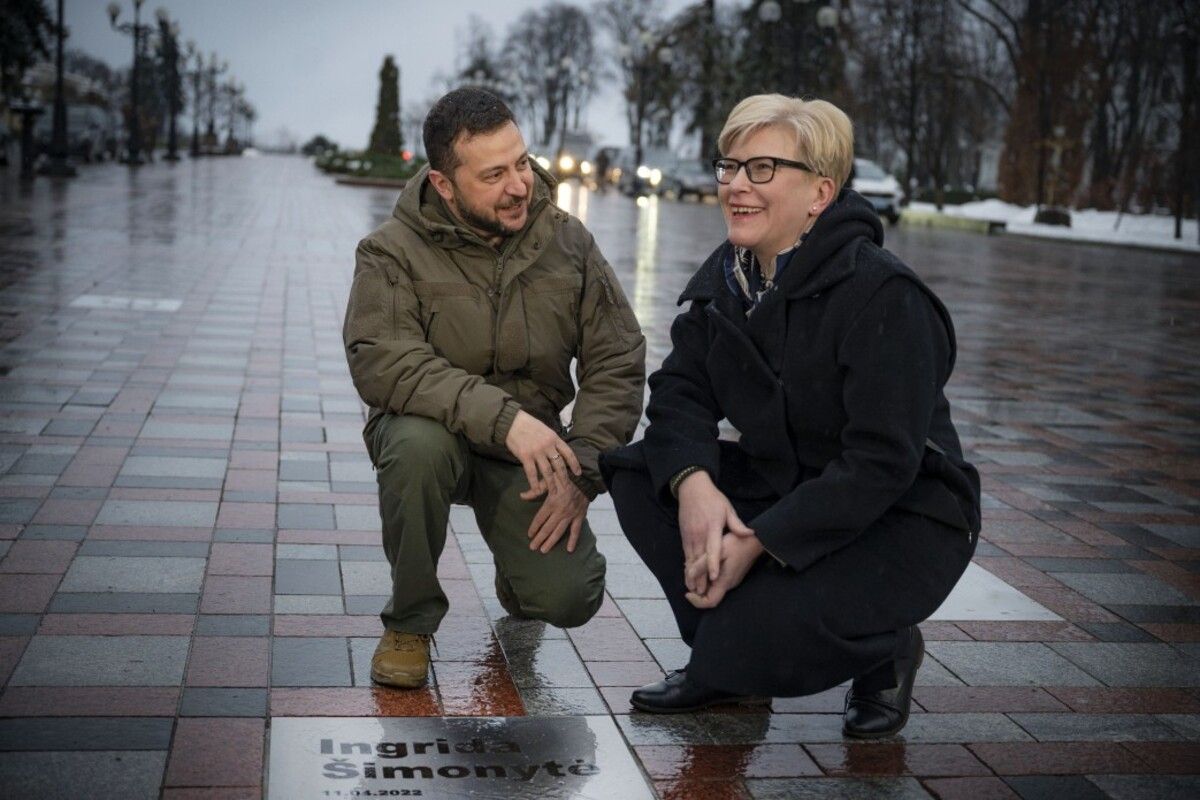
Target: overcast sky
(311, 66)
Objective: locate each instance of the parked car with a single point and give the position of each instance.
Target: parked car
(879, 188)
(690, 177)
(634, 178)
(92, 133)
(565, 159)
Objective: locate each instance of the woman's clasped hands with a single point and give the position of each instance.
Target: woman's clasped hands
(718, 548)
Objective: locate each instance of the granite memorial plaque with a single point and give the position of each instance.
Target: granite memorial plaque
(338, 758)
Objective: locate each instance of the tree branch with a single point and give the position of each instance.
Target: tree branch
(1009, 46)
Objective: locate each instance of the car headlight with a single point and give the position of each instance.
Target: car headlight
(655, 177)
(543, 162)
(585, 167)
(643, 172)
(566, 163)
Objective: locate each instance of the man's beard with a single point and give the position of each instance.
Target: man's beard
(491, 226)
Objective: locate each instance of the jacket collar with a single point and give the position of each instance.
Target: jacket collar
(421, 208)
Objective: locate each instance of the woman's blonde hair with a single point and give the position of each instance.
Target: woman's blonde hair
(824, 134)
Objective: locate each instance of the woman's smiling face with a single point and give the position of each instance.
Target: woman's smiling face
(767, 217)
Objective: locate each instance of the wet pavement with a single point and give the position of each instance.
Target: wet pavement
(189, 542)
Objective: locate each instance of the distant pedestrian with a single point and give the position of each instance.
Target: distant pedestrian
(467, 309)
(804, 554)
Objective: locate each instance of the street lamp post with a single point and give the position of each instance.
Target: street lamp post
(213, 72)
(196, 73)
(137, 30)
(59, 165)
(638, 58)
(168, 32)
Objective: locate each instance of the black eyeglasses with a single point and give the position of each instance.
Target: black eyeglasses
(760, 169)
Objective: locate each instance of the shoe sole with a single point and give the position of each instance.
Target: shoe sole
(731, 701)
(398, 683)
(904, 719)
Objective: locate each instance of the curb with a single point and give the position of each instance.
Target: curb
(926, 219)
(383, 183)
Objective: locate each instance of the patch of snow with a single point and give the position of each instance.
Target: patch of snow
(1087, 225)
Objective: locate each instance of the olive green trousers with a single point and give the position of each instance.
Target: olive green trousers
(422, 468)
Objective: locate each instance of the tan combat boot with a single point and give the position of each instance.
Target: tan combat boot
(401, 659)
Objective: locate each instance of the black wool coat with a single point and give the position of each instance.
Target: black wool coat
(835, 383)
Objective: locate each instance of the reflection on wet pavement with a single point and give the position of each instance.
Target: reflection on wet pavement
(189, 547)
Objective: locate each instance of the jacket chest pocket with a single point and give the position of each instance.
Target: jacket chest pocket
(552, 317)
(458, 323)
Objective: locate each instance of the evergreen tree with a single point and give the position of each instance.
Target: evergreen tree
(385, 137)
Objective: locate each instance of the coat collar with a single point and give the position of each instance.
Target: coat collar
(826, 258)
(422, 209)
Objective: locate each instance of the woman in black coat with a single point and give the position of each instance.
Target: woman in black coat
(806, 552)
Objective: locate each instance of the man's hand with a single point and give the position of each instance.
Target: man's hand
(541, 452)
(705, 514)
(565, 507)
(738, 554)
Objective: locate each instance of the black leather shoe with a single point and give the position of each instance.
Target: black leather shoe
(873, 715)
(675, 694)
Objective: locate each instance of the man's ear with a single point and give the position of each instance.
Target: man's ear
(442, 184)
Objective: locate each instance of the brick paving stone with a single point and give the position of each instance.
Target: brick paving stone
(970, 789)
(1188, 725)
(1003, 699)
(124, 603)
(105, 775)
(1167, 757)
(1119, 664)
(470, 689)
(26, 593)
(686, 789)
(357, 702)
(135, 512)
(717, 762)
(961, 727)
(223, 702)
(1025, 631)
(1105, 699)
(1053, 787)
(216, 752)
(842, 788)
(1124, 589)
(116, 624)
(85, 733)
(49, 557)
(228, 661)
(623, 673)
(1056, 758)
(102, 661)
(231, 594)
(230, 558)
(1008, 664)
(896, 759)
(1048, 727)
(1148, 787)
(541, 701)
(313, 661)
(134, 574)
(91, 701)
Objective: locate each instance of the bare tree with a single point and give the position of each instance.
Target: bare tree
(549, 53)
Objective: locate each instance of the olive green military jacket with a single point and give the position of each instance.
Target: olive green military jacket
(441, 325)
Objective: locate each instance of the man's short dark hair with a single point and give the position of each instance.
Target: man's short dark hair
(467, 111)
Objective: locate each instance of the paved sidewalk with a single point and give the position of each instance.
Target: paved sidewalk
(189, 539)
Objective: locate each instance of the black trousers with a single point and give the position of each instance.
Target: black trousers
(785, 633)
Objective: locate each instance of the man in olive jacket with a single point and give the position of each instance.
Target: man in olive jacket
(466, 310)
